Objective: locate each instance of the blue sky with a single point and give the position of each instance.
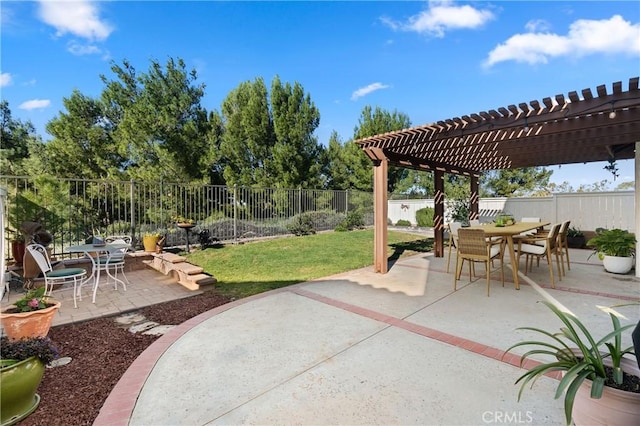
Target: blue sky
(431, 60)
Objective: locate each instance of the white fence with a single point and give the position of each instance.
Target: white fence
(586, 210)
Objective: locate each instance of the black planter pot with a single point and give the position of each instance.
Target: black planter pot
(576, 242)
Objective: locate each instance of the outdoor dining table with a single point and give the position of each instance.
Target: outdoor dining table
(508, 232)
(93, 252)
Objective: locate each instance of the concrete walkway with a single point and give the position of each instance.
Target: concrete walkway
(365, 348)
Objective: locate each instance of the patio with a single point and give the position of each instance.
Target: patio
(398, 348)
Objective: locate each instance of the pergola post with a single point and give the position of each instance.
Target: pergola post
(637, 208)
(380, 213)
(438, 216)
(474, 213)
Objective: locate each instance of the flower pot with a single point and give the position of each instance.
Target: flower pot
(29, 324)
(616, 407)
(576, 242)
(617, 265)
(149, 242)
(17, 250)
(18, 384)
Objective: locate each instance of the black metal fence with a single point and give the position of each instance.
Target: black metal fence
(72, 210)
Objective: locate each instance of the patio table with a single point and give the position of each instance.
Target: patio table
(508, 232)
(93, 252)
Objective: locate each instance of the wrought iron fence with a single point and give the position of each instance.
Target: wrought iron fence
(73, 210)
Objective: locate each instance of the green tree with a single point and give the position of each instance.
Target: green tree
(82, 146)
(376, 121)
(161, 127)
(16, 137)
(347, 166)
(248, 137)
(515, 182)
(296, 152)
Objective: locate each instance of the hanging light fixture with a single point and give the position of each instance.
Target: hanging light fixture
(612, 114)
(526, 125)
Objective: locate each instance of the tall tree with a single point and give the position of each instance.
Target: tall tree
(248, 136)
(347, 166)
(514, 182)
(161, 125)
(82, 145)
(376, 121)
(15, 138)
(296, 152)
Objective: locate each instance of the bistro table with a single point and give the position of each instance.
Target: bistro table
(93, 252)
(508, 232)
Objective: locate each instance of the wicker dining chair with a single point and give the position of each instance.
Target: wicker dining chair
(473, 247)
(453, 239)
(542, 246)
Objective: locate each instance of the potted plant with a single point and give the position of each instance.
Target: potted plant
(150, 241)
(615, 247)
(575, 238)
(601, 386)
(182, 222)
(22, 364)
(31, 316)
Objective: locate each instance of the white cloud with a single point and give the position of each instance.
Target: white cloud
(585, 37)
(80, 18)
(441, 16)
(5, 79)
(363, 91)
(79, 49)
(35, 104)
(537, 25)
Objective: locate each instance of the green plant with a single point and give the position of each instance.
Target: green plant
(574, 232)
(302, 225)
(33, 300)
(19, 350)
(403, 222)
(424, 217)
(460, 210)
(613, 242)
(579, 355)
(182, 219)
(354, 220)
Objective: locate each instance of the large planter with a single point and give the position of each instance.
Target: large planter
(18, 384)
(29, 324)
(617, 265)
(149, 242)
(576, 242)
(17, 250)
(616, 407)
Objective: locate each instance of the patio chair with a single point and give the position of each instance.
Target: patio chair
(474, 247)
(114, 263)
(453, 237)
(563, 245)
(539, 246)
(56, 276)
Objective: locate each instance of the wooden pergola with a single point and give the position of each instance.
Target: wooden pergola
(577, 128)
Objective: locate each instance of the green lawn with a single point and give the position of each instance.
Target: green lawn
(251, 268)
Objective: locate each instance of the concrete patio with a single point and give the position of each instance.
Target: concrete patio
(360, 348)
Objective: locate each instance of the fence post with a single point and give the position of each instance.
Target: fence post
(132, 210)
(299, 200)
(346, 202)
(235, 214)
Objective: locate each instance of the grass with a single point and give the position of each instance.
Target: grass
(252, 268)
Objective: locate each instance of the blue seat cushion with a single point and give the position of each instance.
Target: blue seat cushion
(66, 272)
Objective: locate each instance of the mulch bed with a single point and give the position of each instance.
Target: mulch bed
(101, 351)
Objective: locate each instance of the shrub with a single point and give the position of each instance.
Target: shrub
(301, 224)
(25, 348)
(354, 220)
(403, 222)
(424, 217)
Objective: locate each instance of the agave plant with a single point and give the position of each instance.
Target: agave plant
(578, 354)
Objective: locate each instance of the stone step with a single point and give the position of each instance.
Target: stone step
(170, 257)
(203, 279)
(187, 268)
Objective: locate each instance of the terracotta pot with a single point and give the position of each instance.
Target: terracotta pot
(17, 250)
(18, 384)
(616, 407)
(29, 324)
